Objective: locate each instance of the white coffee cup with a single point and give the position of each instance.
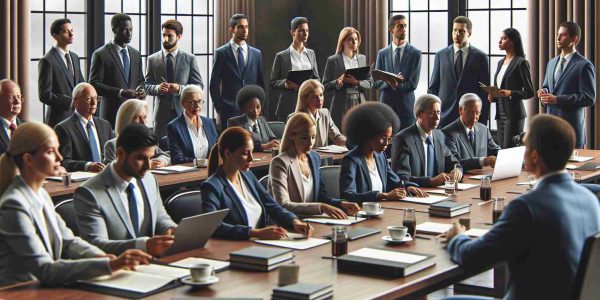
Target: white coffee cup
(398, 233)
(371, 208)
(200, 162)
(202, 272)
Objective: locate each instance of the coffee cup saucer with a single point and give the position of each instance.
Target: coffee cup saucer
(210, 280)
(389, 239)
(364, 213)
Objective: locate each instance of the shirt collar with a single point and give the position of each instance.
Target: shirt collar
(464, 49)
(119, 48)
(568, 56)
(188, 120)
(422, 132)
(60, 50)
(174, 52)
(251, 122)
(394, 46)
(83, 120)
(6, 122)
(120, 183)
(467, 129)
(296, 51)
(236, 46)
(546, 176)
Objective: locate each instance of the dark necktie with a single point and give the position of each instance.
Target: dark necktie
(430, 157)
(126, 66)
(471, 136)
(458, 65)
(397, 61)
(561, 68)
(255, 133)
(93, 144)
(70, 65)
(170, 68)
(241, 62)
(133, 210)
(12, 127)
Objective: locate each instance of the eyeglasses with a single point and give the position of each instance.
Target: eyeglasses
(198, 103)
(89, 100)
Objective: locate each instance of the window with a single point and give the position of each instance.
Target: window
(136, 9)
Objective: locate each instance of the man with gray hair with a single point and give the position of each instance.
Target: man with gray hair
(419, 152)
(468, 140)
(10, 108)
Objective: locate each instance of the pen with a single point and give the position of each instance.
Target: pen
(485, 202)
(422, 237)
(514, 192)
(163, 79)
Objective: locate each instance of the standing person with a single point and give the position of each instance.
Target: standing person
(295, 58)
(167, 74)
(116, 69)
(235, 65)
(59, 72)
(348, 91)
(10, 108)
(399, 57)
(457, 70)
(570, 82)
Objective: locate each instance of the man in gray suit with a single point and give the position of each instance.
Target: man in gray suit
(469, 141)
(167, 73)
(121, 207)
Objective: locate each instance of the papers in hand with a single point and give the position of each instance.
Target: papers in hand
(492, 90)
(425, 200)
(292, 242)
(433, 228)
(386, 76)
(75, 176)
(329, 221)
(332, 149)
(145, 279)
(173, 170)
(218, 265)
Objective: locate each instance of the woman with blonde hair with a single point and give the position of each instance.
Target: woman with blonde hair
(294, 176)
(348, 91)
(35, 243)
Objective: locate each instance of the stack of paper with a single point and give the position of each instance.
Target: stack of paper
(433, 228)
(330, 221)
(332, 149)
(75, 176)
(295, 244)
(425, 200)
(476, 232)
(173, 170)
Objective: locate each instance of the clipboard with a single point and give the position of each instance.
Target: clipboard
(492, 90)
(298, 77)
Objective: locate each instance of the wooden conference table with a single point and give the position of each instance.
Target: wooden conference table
(314, 269)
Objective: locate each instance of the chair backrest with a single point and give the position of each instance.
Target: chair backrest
(163, 143)
(184, 204)
(277, 127)
(331, 178)
(264, 181)
(66, 210)
(587, 278)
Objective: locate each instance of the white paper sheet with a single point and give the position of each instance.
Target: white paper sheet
(425, 200)
(580, 158)
(173, 169)
(436, 191)
(295, 244)
(332, 149)
(476, 232)
(131, 281)
(433, 227)
(463, 186)
(406, 258)
(75, 176)
(190, 261)
(329, 221)
(164, 271)
(478, 177)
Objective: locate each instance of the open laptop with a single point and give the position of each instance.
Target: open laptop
(509, 163)
(193, 232)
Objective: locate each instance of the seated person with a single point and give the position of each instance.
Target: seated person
(191, 135)
(82, 135)
(249, 100)
(468, 140)
(10, 108)
(121, 207)
(231, 183)
(35, 243)
(419, 152)
(366, 175)
(294, 176)
(546, 227)
(310, 100)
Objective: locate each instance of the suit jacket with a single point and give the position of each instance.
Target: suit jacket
(285, 184)
(218, 194)
(56, 84)
(180, 142)
(574, 90)
(517, 79)
(266, 134)
(458, 143)
(4, 140)
(408, 155)
(110, 153)
(26, 250)
(186, 72)
(546, 227)
(326, 129)
(445, 85)
(74, 143)
(108, 77)
(103, 220)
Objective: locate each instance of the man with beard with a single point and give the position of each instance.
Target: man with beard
(116, 69)
(10, 108)
(168, 72)
(121, 207)
(235, 65)
(404, 60)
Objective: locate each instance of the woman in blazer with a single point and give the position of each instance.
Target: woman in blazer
(348, 91)
(191, 135)
(366, 175)
(295, 58)
(294, 175)
(249, 100)
(35, 243)
(513, 77)
(232, 186)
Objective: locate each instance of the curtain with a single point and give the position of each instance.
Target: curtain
(227, 8)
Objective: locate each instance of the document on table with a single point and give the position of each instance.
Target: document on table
(174, 170)
(476, 232)
(463, 186)
(332, 149)
(145, 279)
(425, 200)
(75, 176)
(435, 191)
(295, 244)
(580, 158)
(395, 256)
(433, 228)
(218, 265)
(479, 177)
(330, 221)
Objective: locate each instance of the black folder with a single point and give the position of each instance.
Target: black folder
(361, 73)
(298, 77)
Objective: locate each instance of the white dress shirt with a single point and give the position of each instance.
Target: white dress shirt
(62, 54)
(465, 53)
(567, 60)
(376, 183)
(350, 62)
(198, 137)
(397, 48)
(501, 73)
(251, 206)
(423, 138)
(251, 124)
(234, 48)
(300, 59)
(474, 135)
(119, 48)
(121, 186)
(307, 186)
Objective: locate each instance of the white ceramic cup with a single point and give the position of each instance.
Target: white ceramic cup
(200, 162)
(398, 233)
(202, 272)
(371, 208)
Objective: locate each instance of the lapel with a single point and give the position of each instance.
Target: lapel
(64, 67)
(419, 145)
(438, 148)
(340, 61)
(568, 68)
(403, 60)
(179, 63)
(389, 65)
(37, 217)
(113, 51)
(314, 164)
(450, 59)
(467, 65)
(511, 66)
(364, 168)
(228, 190)
(149, 202)
(381, 168)
(183, 132)
(294, 166)
(481, 140)
(134, 66)
(115, 198)
(287, 62)
(264, 130)
(313, 62)
(232, 62)
(464, 138)
(76, 67)
(252, 189)
(322, 129)
(161, 69)
(80, 129)
(53, 230)
(4, 136)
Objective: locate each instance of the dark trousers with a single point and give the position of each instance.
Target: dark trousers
(507, 129)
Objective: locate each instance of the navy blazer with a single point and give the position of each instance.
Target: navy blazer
(355, 181)
(574, 90)
(180, 142)
(445, 85)
(545, 228)
(218, 194)
(458, 143)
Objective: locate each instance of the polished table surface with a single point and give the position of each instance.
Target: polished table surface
(314, 269)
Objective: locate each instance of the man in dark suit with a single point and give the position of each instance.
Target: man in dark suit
(82, 135)
(59, 72)
(457, 70)
(10, 108)
(235, 65)
(570, 82)
(541, 230)
(116, 71)
(419, 152)
(399, 58)
(469, 141)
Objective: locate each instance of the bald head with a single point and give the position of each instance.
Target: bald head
(85, 99)
(10, 99)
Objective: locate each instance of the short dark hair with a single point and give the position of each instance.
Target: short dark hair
(572, 28)
(553, 138)
(366, 120)
(297, 21)
(136, 136)
(235, 18)
(393, 20)
(116, 20)
(56, 26)
(173, 25)
(247, 93)
(464, 20)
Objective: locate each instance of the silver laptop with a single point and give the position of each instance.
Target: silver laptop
(193, 232)
(509, 163)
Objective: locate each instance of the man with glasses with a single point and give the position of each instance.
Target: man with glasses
(10, 108)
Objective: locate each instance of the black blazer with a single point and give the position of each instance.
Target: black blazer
(56, 84)
(4, 141)
(74, 144)
(266, 135)
(517, 78)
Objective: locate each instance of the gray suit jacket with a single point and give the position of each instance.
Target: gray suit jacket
(326, 129)
(266, 134)
(458, 143)
(110, 153)
(26, 251)
(102, 218)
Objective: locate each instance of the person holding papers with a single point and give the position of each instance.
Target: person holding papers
(231, 185)
(544, 229)
(35, 243)
(121, 207)
(294, 177)
(366, 175)
(348, 91)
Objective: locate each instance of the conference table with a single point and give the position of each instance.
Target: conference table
(315, 269)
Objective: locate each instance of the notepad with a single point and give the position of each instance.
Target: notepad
(218, 265)
(476, 232)
(332, 149)
(173, 170)
(295, 244)
(425, 200)
(145, 279)
(395, 256)
(433, 228)
(329, 221)
(75, 176)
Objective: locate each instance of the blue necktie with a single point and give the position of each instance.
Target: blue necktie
(472, 139)
(241, 62)
(397, 61)
(126, 66)
(561, 68)
(93, 145)
(133, 211)
(430, 157)
(458, 65)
